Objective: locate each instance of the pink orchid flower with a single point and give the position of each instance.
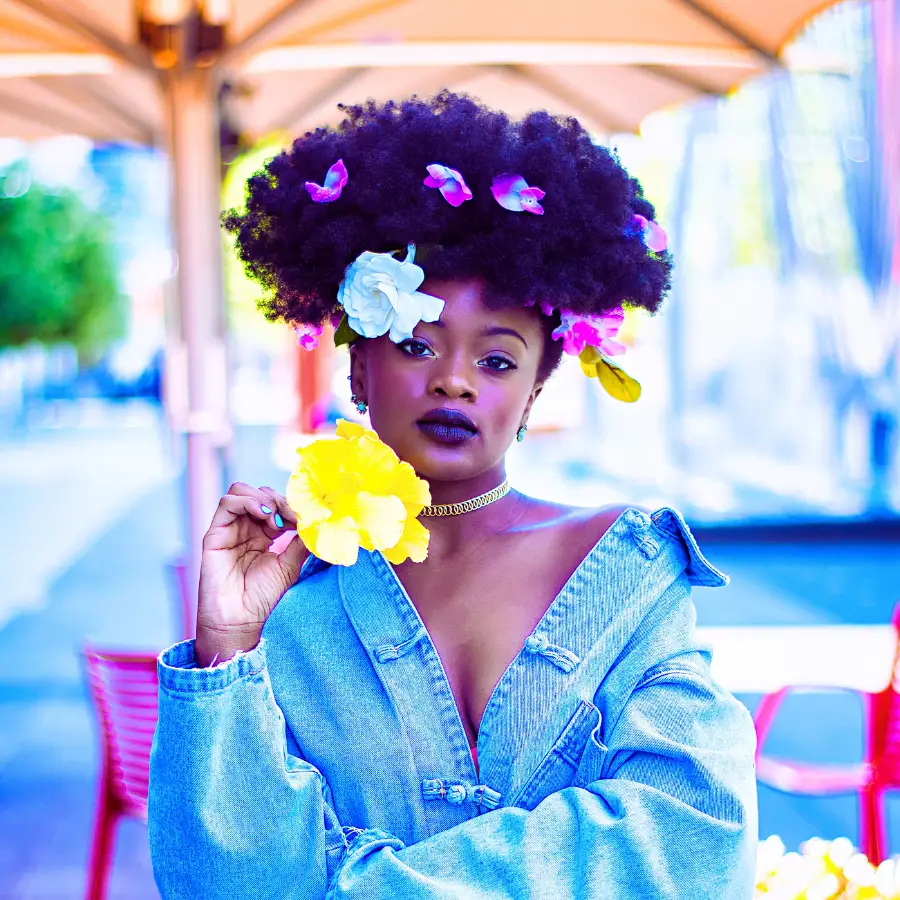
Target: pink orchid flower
(308, 336)
(511, 191)
(595, 331)
(335, 179)
(451, 184)
(654, 237)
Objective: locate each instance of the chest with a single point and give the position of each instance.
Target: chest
(479, 615)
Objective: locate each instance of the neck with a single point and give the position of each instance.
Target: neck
(450, 533)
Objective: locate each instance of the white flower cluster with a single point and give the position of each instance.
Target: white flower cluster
(824, 870)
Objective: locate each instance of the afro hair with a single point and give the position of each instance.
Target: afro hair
(584, 254)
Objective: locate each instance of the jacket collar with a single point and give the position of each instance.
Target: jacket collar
(585, 629)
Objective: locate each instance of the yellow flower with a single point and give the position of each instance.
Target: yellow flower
(355, 492)
(615, 382)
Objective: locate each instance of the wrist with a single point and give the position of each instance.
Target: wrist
(213, 646)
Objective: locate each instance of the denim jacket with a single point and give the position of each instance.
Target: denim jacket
(331, 761)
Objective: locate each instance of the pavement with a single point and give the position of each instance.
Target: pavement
(93, 519)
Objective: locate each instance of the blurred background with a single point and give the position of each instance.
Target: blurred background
(138, 380)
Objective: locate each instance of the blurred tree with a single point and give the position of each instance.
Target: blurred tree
(58, 274)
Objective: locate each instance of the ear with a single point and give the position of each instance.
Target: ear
(535, 392)
(358, 368)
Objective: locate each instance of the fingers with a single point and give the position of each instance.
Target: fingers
(292, 558)
(279, 505)
(232, 507)
(263, 504)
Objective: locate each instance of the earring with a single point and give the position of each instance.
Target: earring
(361, 405)
(520, 434)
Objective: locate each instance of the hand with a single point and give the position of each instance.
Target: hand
(241, 582)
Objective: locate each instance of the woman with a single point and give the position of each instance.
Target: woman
(314, 740)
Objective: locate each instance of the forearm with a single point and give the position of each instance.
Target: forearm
(666, 810)
(617, 841)
(229, 810)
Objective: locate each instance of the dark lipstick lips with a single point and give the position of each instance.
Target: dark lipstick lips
(452, 417)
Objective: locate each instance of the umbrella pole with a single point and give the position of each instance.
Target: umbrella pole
(193, 119)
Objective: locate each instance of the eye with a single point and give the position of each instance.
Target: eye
(411, 347)
(499, 363)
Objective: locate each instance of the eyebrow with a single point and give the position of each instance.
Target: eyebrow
(491, 330)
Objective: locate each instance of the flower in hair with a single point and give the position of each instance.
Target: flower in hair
(379, 295)
(614, 381)
(653, 235)
(591, 339)
(451, 184)
(512, 192)
(308, 336)
(355, 492)
(335, 179)
(578, 332)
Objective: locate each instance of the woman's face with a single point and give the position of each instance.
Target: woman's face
(473, 361)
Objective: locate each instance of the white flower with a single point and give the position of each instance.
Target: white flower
(379, 294)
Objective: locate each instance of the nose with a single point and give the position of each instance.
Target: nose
(453, 379)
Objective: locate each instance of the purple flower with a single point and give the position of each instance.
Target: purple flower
(308, 336)
(512, 192)
(654, 236)
(451, 184)
(594, 331)
(335, 179)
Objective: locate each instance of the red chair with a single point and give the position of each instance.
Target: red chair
(124, 692)
(879, 772)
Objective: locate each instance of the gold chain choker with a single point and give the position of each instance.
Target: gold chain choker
(454, 509)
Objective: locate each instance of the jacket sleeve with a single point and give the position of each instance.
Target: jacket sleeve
(666, 808)
(231, 812)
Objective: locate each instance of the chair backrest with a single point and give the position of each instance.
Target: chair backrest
(124, 689)
(883, 749)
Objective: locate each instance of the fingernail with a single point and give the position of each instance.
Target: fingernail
(279, 521)
(265, 509)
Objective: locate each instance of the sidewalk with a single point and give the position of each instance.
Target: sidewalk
(114, 594)
(105, 581)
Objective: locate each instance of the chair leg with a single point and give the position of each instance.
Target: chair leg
(102, 845)
(872, 838)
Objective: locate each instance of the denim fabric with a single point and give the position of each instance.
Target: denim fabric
(331, 762)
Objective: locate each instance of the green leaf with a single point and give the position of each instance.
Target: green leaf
(344, 334)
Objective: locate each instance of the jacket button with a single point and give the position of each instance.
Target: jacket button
(457, 793)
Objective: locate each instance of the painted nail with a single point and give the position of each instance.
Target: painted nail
(265, 509)
(279, 521)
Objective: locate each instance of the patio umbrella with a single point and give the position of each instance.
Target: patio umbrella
(152, 71)
(608, 63)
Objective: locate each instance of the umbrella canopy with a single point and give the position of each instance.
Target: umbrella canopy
(156, 71)
(609, 64)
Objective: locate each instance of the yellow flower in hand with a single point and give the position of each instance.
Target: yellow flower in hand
(355, 492)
